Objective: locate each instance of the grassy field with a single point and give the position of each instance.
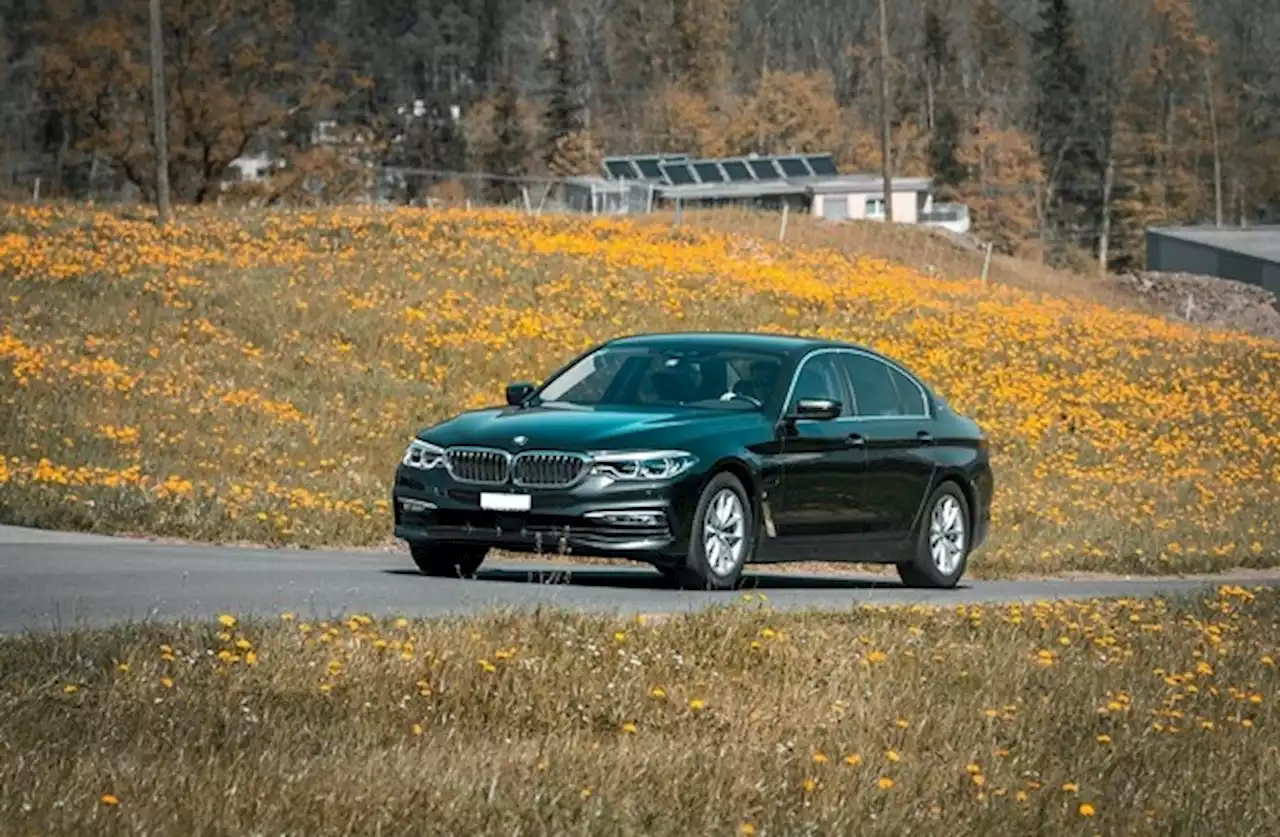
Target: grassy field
(256, 376)
(1132, 716)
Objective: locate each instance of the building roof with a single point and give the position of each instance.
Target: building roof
(1257, 242)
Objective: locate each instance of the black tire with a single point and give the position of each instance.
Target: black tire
(922, 571)
(447, 560)
(697, 572)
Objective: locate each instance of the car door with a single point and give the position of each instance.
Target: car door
(894, 419)
(818, 507)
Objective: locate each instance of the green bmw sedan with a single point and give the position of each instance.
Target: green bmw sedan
(700, 453)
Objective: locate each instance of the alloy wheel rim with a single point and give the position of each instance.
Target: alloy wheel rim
(946, 534)
(724, 532)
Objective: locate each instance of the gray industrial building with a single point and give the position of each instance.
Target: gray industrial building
(1246, 254)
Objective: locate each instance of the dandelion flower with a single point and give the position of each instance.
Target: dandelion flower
(226, 620)
(853, 759)
(110, 799)
(747, 830)
(884, 783)
(1086, 810)
(629, 727)
(697, 704)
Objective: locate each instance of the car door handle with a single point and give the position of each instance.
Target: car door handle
(925, 437)
(855, 440)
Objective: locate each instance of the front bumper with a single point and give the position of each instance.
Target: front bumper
(431, 507)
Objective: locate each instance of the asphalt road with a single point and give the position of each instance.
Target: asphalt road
(52, 580)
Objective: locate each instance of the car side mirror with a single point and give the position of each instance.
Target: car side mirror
(517, 393)
(816, 409)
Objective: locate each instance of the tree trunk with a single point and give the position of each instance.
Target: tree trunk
(930, 105)
(886, 138)
(1217, 151)
(1104, 233)
(159, 115)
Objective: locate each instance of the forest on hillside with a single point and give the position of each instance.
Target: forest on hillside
(1067, 126)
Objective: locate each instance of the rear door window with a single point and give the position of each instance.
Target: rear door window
(879, 390)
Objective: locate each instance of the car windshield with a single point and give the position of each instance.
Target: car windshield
(710, 378)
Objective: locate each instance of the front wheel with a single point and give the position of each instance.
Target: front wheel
(447, 560)
(942, 550)
(722, 538)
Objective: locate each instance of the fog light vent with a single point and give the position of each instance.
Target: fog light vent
(625, 517)
(416, 506)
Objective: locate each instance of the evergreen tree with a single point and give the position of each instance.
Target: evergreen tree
(995, 57)
(489, 20)
(1061, 124)
(702, 32)
(567, 149)
(449, 143)
(434, 142)
(510, 151)
(948, 173)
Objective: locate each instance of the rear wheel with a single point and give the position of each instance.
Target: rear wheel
(723, 536)
(942, 551)
(447, 560)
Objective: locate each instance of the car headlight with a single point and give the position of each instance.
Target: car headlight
(423, 455)
(642, 465)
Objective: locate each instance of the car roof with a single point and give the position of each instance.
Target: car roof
(772, 343)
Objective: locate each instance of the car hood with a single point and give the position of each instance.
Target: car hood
(578, 428)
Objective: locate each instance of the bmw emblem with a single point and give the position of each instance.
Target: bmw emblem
(520, 441)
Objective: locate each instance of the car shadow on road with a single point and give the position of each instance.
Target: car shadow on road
(652, 580)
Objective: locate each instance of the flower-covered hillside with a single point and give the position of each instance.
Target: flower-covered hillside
(257, 376)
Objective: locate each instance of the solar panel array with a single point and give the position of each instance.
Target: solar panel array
(680, 170)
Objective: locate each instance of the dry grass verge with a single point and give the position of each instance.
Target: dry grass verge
(1128, 716)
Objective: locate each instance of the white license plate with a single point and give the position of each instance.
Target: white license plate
(504, 502)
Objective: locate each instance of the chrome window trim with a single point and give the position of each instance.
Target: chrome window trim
(795, 378)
